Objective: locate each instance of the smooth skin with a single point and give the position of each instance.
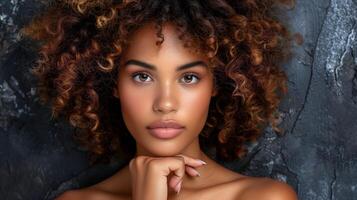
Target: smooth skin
(163, 167)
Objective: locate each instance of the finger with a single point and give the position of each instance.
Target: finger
(191, 171)
(191, 161)
(174, 181)
(132, 166)
(177, 166)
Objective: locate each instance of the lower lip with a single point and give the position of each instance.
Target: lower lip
(165, 133)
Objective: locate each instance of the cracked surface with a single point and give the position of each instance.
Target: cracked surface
(317, 155)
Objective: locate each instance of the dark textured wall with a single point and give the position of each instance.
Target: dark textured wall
(317, 155)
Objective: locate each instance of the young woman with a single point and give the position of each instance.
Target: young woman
(159, 82)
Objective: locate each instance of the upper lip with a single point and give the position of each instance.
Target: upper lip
(165, 124)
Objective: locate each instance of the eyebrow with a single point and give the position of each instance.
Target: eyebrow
(152, 67)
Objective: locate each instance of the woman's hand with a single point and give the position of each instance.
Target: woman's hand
(149, 175)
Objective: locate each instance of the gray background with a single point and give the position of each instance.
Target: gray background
(317, 156)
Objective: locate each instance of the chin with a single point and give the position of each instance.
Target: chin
(166, 148)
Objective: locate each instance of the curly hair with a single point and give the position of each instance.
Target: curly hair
(81, 42)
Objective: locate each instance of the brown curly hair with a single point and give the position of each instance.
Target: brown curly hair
(81, 42)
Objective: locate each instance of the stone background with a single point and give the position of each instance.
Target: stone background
(317, 156)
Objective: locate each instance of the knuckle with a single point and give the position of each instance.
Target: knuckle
(140, 158)
(181, 159)
(132, 164)
(153, 164)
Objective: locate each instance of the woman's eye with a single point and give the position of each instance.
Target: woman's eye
(190, 77)
(141, 76)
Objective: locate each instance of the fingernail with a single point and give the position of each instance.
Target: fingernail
(197, 173)
(178, 187)
(201, 161)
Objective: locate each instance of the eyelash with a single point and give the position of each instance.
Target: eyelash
(186, 74)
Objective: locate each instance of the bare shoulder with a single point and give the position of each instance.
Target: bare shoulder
(90, 194)
(68, 195)
(267, 189)
(108, 189)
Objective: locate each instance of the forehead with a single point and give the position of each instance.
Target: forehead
(142, 45)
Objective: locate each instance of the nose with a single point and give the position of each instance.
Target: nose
(166, 99)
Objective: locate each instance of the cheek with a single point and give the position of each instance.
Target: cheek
(134, 104)
(196, 105)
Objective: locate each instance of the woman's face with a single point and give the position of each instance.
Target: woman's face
(151, 87)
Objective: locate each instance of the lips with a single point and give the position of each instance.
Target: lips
(165, 129)
(165, 124)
